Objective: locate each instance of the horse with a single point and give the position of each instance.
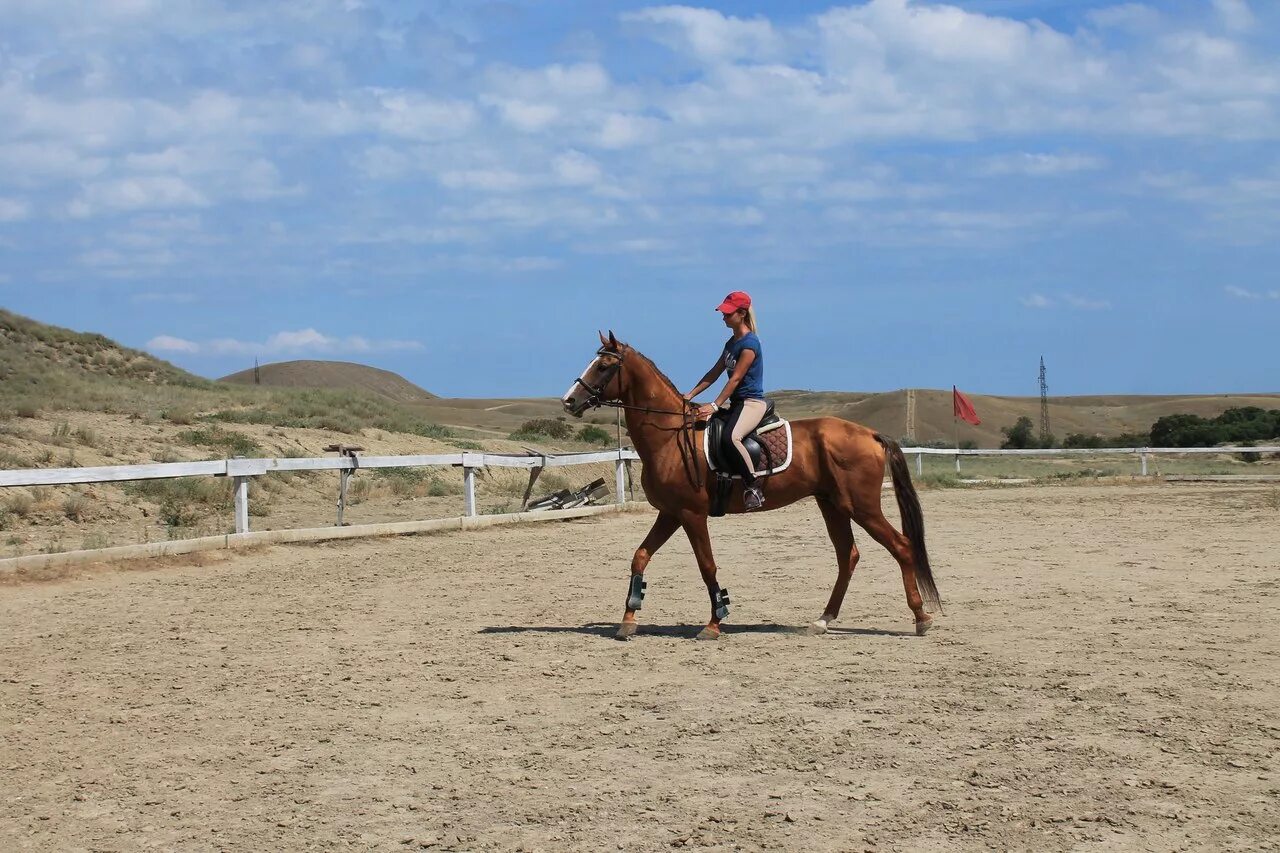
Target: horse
(839, 463)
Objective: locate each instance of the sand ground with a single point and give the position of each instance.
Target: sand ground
(1105, 678)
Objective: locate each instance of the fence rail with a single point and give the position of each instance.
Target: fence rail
(241, 470)
(1143, 453)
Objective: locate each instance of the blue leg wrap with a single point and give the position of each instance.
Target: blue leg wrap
(635, 592)
(720, 602)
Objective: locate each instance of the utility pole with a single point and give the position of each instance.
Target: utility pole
(1044, 407)
(257, 373)
(911, 415)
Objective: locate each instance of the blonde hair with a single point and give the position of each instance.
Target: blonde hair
(751, 319)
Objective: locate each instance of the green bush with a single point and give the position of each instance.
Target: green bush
(548, 427)
(231, 443)
(185, 501)
(592, 434)
(21, 505)
(75, 507)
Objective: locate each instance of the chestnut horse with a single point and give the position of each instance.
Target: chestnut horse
(841, 464)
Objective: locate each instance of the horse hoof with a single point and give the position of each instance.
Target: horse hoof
(923, 626)
(626, 630)
(816, 627)
(709, 633)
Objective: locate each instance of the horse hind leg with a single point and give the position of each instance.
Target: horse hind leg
(897, 544)
(840, 529)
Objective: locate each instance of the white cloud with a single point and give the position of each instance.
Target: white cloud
(1236, 14)
(168, 343)
(137, 193)
(13, 210)
(33, 164)
(1242, 293)
(576, 169)
(1040, 165)
(1036, 300)
(300, 341)
(528, 116)
(710, 35)
(621, 130)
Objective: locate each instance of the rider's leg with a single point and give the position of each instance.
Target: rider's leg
(746, 416)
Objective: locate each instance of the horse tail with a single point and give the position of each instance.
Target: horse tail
(912, 520)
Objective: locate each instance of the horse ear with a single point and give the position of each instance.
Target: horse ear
(613, 342)
(604, 342)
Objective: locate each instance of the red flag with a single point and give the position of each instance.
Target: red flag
(963, 407)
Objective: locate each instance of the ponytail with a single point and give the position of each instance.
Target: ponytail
(751, 319)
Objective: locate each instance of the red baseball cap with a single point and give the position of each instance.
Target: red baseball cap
(734, 301)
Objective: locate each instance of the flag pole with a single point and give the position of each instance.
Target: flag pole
(955, 422)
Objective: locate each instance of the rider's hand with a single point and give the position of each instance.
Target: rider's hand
(706, 411)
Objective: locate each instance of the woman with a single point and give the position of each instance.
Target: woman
(743, 393)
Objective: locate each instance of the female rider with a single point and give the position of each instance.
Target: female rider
(743, 393)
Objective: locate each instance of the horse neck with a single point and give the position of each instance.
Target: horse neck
(644, 388)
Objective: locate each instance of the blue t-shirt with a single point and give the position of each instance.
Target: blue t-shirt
(752, 385)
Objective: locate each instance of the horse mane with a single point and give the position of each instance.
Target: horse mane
(632, 350)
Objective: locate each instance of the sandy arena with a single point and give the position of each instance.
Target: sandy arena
(1106, 677)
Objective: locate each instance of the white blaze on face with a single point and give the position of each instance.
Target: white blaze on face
(576, 393)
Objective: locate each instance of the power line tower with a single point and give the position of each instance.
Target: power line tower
(1044, 407)
(911, 414)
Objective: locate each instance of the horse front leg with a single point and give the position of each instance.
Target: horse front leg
(695, 527)
(663, 527)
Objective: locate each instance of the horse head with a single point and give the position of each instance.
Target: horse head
(600, 382)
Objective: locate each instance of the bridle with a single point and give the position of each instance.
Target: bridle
(595, 399)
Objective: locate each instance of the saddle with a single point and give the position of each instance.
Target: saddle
(769, 445)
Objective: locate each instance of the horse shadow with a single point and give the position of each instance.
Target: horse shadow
(686, 630)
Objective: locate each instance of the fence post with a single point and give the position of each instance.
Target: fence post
(957, 463)
(1144, 463)
(469, 491)
(919, 464)
(620, 479)
(344, 474)
(242, 504)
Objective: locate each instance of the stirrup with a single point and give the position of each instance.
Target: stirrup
(752, 497)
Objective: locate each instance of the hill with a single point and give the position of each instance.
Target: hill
(334, 375)
(30, 351)
(887, 412)
(1104, 415)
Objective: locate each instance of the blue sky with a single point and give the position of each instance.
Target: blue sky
(917, 194)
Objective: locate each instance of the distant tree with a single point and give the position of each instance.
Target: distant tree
(1080, 439)
(1019, 436)
(1246, 423)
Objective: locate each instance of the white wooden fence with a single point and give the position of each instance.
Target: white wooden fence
(241, 470)
(1143, 453)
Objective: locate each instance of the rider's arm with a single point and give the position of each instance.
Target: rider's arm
(712, 375)
(739, 370)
